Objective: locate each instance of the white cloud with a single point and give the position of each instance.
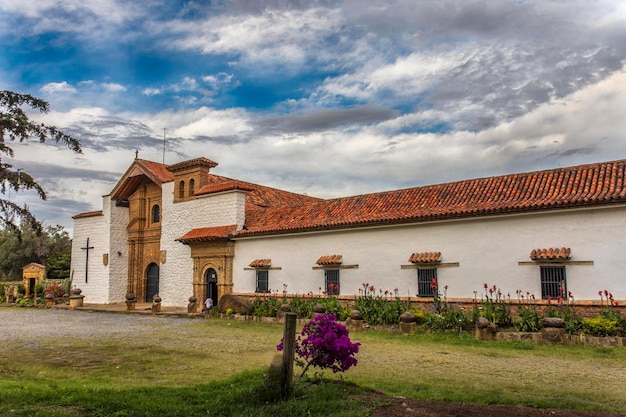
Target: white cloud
(114, 87)
(58, 88)
(151, 91)
(285, 36)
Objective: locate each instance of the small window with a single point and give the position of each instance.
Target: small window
(156, 213)
(332, 281)
(192, 185)
(262, 280)
(427, 282)
(553, 282)
(181, 189)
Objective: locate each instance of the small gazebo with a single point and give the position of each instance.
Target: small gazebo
(33, 274)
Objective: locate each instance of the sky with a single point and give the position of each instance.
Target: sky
(327, 98)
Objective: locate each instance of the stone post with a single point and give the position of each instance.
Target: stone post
(76, 299)
(131, 300)
(49, 300)
(408, 322)
(354, 323)
(192, 307)
(317, 310)
(484, 329)
(156, 304)
(553, 330)
(282, 311)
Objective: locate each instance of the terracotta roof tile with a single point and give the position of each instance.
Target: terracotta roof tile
(578, 186)
(204, 234)
(425, 257)
(225, 186)
(550, 254)
(261, 263)
(159, 170)
(329, 260)
(88, 214)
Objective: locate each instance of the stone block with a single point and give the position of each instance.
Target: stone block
(553, 335)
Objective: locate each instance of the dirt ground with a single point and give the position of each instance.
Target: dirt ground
(401, 407)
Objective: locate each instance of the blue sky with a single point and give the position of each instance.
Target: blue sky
(328, 98)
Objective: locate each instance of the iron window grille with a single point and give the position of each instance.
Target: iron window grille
(427, 282)
(262, 280)
(331, 281)
(553, 282)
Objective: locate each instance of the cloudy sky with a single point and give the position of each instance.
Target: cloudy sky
(328, 98)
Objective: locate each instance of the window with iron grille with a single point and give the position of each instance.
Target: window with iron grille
(331, 281)
(426, 282)
(553, 282)
(262, 280)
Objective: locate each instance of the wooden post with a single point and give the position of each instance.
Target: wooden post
(289, 338)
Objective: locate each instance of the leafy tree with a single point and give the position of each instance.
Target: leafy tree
(19, 248)
(59, 253)
(52, 248)
(16, 125)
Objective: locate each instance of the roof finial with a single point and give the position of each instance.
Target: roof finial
(136, 154)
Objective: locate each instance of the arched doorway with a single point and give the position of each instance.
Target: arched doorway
(152, 282)
(210, 277)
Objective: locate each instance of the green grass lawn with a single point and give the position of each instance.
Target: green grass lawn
(216, 368)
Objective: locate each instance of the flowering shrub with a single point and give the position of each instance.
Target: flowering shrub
(324, 343)
(55, 290)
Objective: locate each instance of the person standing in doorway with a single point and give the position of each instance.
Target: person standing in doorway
(208, 305)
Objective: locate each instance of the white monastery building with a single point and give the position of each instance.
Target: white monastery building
(181, 230)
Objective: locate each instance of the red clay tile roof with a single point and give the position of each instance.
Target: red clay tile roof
(225, 186)
(88, 214)
(261, 263)
(329, 260)
(204, 234)
(159, 170)
(550, 254)
(425, 257)
(578, 186)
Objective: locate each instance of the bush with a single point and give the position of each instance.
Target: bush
(324, 343)
(264, 307)
(600, 326)
(56, 290)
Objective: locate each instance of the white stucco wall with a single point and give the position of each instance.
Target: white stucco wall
(176, 274)
(488, 251)
(96, 288)
(118, 243)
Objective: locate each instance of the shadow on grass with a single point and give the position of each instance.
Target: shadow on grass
(247, 394)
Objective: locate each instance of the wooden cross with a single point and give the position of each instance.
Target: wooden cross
(87, 247)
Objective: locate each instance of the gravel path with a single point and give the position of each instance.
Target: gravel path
(29, 323)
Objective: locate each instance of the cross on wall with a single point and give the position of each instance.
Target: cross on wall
(86, 248)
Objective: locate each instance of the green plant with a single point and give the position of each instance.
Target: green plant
(264, 307)
(493, 306)
(527, 319)
(382, 308)
(600, 326)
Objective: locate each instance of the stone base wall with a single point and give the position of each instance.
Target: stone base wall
(566, 339)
